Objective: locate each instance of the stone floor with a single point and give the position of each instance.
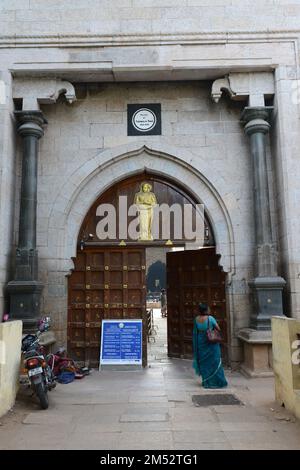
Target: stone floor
(150, 409)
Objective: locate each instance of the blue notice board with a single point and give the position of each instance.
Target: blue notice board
(121, 342)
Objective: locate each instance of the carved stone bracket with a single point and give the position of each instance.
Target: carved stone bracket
(34, 92)
(254, 87)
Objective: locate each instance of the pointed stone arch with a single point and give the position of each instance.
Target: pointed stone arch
(110, 166)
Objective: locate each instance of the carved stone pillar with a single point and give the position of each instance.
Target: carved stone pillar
(25, 290)
(267, 286)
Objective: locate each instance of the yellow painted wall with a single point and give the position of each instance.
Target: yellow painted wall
(10, 353)
(287, 374)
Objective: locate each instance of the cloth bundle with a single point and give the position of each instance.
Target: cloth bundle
(64, 368)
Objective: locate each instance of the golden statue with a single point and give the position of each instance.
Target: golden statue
(145, 200)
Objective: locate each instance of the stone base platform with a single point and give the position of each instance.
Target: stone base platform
(257, 353)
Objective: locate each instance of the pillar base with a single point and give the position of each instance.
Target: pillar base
(267, 300)
(25, 302)
(257, 353)
(26, 264)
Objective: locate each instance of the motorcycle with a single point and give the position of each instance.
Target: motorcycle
(36, 363)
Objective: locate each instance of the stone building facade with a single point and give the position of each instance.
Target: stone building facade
(79, 64)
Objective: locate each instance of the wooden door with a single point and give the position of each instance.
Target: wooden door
(193, 276)
(106, 283)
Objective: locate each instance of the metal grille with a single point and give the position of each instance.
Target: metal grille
(217, 399)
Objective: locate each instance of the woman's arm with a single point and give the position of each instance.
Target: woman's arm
(215, 324)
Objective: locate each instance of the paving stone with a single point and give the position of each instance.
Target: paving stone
(202, 446)
(147, 399)
(238, 415)
(40, 437)
(177, 396)
(247, 426)
(192, 414)
(97, 427)
(146, 440)
(142, 417)
(195, 425)
(139, 426)
(93, 411)
(49, 419)
(150, 393)
(156, 408)
(95, 399)
(93, 441)
(199, 437)
(260, 439)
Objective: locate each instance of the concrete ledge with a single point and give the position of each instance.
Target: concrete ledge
(285, 333)
(255, 336)
(10, 354)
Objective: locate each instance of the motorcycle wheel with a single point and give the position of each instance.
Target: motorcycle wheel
(42, 396)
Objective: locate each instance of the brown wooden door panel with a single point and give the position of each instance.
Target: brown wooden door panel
(77, 295)
(193, 277)
(107, 283)
(174, 346)
(79, 261)
(187, 349)
(95, 260)
(95, 278)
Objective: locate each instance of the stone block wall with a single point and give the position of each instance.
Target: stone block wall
(285, 148)
(7, 185)
(27, 17)
(97, 121)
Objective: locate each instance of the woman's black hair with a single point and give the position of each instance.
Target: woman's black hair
(203, 308)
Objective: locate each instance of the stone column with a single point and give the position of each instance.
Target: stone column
(267, 286)
(25, 290)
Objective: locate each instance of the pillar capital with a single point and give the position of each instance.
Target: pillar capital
(257, 119)
(30, 123)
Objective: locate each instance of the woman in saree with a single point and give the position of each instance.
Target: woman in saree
(207, 356)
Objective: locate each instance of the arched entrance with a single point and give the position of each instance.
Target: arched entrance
(109, 276)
